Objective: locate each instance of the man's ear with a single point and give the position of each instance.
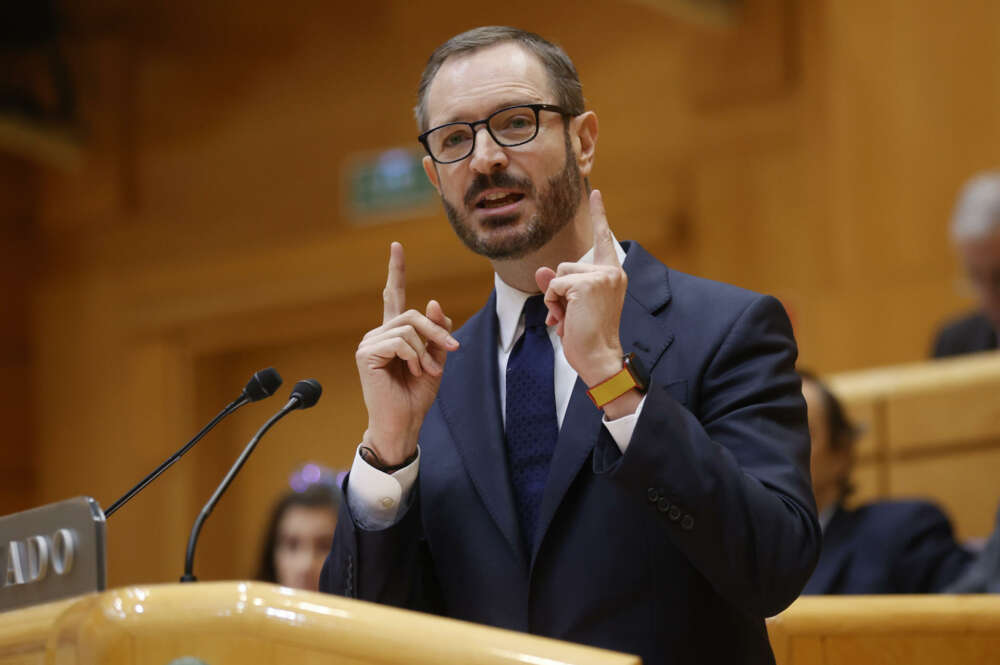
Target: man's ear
(584, 128)
(430, 168)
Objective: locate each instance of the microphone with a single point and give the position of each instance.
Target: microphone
(304, 395)
(262, 384)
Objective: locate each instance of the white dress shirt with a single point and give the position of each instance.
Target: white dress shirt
(375, 498)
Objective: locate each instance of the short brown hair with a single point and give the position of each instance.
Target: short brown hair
(562, 74)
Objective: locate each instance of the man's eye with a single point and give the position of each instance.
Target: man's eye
(454, 139)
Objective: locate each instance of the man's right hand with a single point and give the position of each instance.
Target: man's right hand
(400, 364)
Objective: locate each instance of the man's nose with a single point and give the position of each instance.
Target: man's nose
(488, 155)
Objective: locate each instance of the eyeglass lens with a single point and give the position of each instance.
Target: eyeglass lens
(509, 127)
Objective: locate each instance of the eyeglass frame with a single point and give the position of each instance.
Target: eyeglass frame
(537, 108)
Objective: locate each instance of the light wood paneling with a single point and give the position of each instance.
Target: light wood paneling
(877, 630)
(963, 481)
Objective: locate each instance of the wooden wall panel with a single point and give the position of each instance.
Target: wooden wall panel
(909, 89)
(963, 481)
(915, 423)
(155, 414)
(18, 259)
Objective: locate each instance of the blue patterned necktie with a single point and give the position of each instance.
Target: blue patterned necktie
(531, 427)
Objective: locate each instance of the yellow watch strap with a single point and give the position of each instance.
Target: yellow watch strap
(612, 388)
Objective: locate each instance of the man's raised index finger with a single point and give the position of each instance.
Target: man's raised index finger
(394, 296)
(604, 244)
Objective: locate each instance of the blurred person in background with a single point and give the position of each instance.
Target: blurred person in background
(883, 546)
(300, 530)
(983, 575)
(975, 231)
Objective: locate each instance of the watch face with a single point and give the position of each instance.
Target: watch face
(638, 371)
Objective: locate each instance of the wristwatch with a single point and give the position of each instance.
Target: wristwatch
(632, 375)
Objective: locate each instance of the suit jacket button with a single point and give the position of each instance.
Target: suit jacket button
(674, 514)
(687, 523)
(652, 494)
(663, 505)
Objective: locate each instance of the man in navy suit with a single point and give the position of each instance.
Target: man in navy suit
(881, 547)
(620, 460)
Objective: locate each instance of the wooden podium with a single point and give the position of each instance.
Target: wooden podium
(252, 623)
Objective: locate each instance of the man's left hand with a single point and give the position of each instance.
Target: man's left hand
(585, 300)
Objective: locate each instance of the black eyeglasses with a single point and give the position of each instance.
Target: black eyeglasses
(514, 125)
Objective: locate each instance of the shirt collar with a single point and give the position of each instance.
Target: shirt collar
(510, 301)
(826, 515)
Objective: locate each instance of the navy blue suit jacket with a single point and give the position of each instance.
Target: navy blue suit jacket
(675, 551)
(969, 334)
(888, 547)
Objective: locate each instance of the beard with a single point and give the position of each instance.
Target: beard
(557, 206)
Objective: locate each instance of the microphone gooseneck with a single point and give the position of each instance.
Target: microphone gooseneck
(304, 395)
(262, 384)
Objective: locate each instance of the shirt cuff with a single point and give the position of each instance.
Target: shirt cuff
(378, 500)
(621, 428)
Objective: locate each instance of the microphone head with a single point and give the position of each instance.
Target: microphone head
(307, 392)
(262, 384)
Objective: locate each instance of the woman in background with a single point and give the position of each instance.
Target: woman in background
(300, 531)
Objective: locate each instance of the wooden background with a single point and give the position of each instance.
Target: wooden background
(812, 150)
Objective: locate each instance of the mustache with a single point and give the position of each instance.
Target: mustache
(500, 179)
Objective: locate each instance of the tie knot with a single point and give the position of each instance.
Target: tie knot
(535, 312)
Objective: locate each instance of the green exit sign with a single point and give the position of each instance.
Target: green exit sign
(388, 185)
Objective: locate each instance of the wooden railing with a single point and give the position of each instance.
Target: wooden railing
(888, 630)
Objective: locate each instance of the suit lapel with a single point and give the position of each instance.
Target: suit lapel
(470, 405)
(640, 331)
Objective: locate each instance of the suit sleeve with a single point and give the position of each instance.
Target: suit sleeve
(731, 485)
(943, 344)
(391, 566)
(930, 558)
